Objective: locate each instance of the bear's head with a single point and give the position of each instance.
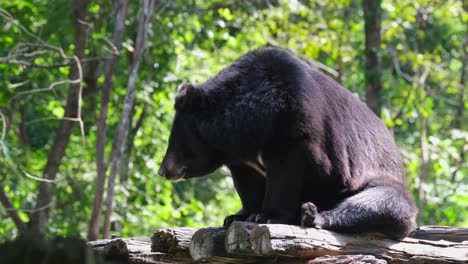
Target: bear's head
(188, 155)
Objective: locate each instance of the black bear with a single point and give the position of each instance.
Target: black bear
(301, 149)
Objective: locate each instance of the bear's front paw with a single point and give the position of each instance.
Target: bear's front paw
(240, 216)
(257, 218)
(310, 215)
(251, 218)
(262, 218)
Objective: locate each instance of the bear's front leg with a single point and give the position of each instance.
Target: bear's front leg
(250, 185)
(284, 186)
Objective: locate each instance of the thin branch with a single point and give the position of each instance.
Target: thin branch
(38, 179)
(4, 126)
(27, 210)
(80, 100)
(9, 17)
(51, 118)
(16, 85)
(8, 205)
(405, 76)
(396, 64)
(50, 88)
(38, 48)
(32, 64)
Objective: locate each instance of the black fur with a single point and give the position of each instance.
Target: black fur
(320, 147)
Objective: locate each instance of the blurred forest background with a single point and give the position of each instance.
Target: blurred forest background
(87, 90)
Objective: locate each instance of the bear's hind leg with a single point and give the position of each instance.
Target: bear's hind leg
(386, 209)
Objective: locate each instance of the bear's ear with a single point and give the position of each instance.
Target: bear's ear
(189, 98)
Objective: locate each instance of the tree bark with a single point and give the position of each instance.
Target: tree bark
(120, 138)
(40, 217)
(452, 234)
(238, 238)
(122, 7)
(124, 170)
(172, 240)
(372, 17)
(290, 244)
(208, 242)
(310, 242)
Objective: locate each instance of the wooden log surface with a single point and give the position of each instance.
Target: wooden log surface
(251, 243)
(238, 238)
(453, 234)
(130, 250)
(172, 240)
(347, 259)
(208, 242)
(310, 242)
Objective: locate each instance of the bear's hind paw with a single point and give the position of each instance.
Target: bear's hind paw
(309, 215)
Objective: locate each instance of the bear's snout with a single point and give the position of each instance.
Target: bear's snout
(171, 170)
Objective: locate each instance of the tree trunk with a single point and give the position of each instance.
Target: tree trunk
(124, 170)
(372, 16)
(120, 138)
(40, 217)
(122, 7)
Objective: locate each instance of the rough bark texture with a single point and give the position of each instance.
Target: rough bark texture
(120, 139)
(119, 27)
(238, 238)
(40, 217)
(208, 242)
(172, 240)
(347, 259)
(310, 242)
(372, 16)
(452, 234)
(127, 250)
(286, 244)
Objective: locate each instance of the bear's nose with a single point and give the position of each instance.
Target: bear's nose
(161, 171)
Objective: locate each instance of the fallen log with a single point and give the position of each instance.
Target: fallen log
(130, 250)
(347, 259)
(172, 240)
(285, 240)
(237, 240)
(251, 243)
(208, 242)
(453, 234)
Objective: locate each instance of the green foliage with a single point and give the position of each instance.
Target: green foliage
(422, 42)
